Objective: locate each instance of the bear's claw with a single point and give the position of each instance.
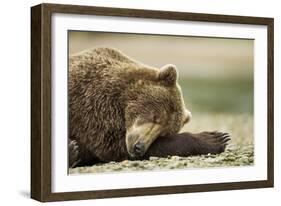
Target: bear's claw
(73, 152)
(212, 142)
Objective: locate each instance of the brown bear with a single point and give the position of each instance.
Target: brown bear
(122, 109)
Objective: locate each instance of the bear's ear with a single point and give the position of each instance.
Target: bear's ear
(168, 74)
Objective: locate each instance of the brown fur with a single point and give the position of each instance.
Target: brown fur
(110, 95)
(186, 144)
(116, 103)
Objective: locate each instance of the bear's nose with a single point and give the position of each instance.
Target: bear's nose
(139, 149)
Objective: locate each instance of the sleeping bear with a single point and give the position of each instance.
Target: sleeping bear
(122, 109)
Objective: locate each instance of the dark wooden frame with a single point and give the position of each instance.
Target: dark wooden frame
(41, 101)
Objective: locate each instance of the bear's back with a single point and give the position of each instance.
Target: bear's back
(106, 64)
(99, 59)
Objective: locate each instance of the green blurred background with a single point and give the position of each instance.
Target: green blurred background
(216, 74)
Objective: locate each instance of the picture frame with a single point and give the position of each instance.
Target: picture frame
(42, 41)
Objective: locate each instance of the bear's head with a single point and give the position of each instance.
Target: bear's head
(156, 109)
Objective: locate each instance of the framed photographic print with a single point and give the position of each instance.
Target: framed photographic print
(130, 102)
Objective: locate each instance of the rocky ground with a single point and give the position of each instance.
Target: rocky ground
(240, 151)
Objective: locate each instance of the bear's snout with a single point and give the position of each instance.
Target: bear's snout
(139, 149)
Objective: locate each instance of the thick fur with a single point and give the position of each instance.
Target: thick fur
(113, 98)
(96, 104)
